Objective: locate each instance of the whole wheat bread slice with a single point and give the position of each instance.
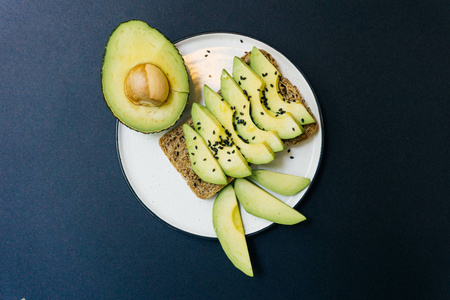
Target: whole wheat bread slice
(174, 146)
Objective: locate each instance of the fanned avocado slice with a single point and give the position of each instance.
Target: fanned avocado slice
(245, 126)
(283, 124)
(275, 102)
(257, 153)
(219, 142)
(202, 161)
(144, 79)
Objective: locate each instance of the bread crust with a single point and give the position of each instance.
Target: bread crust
(174, 145)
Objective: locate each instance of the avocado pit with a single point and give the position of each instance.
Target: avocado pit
(146, 85)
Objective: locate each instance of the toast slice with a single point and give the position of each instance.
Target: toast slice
(174, 146)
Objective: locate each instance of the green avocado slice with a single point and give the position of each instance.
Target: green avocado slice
(275, 102)
(243, 121)
(258, 153)
(283, 184)
(229, 229)
(202, 161)
(253, 86)
(219, 142)
(260, 203)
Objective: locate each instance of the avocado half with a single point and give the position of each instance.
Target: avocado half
(133, 43)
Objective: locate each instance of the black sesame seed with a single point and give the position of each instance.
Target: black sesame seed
(195, 184)
(210, 52)
(242, 41)
(303, 120)
(289, 150)
(253, 138)
(204, 159)
(271, 85)
(206, 55)
(291, 157)
(214, 132)
(213, 170)
(293, 129)
(196, 147)
(192, 153)
(264, 74)
(193, 163)
(262, 113)
(228, 159)
(194, 138)
(276, 72)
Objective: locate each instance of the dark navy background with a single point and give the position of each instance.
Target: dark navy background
(378, 212)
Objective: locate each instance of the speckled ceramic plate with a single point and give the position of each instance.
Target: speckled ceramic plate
(157, 184)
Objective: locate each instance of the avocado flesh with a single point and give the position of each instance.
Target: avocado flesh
(283, 184)
(228, 226)
(275, 102)
(245, 126)
(284, 125)
(202, 161)
(259, 153)
(133, 43)
(260, 203)
(220, 144)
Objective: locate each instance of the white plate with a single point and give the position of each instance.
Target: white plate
(155, 181)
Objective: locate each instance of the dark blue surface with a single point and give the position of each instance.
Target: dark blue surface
(378, 212)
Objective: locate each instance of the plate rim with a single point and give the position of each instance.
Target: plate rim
(321, 152)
